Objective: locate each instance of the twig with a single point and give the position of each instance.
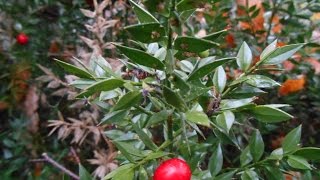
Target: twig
(274, 11)
(75, 155)
(59, 166)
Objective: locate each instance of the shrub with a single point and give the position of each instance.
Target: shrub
(172, 102)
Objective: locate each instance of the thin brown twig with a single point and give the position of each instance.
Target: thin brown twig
(59, 166)
(75, 155)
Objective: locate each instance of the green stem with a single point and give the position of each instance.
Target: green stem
(170, 131)
(144, 110)
(170, 66)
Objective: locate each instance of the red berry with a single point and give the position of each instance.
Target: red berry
(173, 169)
(22, 39)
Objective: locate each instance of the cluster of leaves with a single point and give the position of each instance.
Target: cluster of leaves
(181, 104)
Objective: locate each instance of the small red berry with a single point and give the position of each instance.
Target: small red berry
(22, 39)
(173, 169)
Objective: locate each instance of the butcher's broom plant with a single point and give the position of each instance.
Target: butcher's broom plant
(174, 99)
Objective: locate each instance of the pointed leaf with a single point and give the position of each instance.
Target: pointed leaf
(198, 117)
(225, 120)
(74, 70)
(143, 173)
(281, 54)
(261, 81)
(244, 57)
(269, 114)
(128, 100)
(207, 68)
(226, 176)
(143, 15)
(173, 98)
(310, 153)
(274, 173)
(146, 32)
(144, 137)
(292, 139)
(249, 175)
(114, 117)
(220, 79)
(190, 4)
(216, 161)
(256, 145)
(192, 44)
(84, 174)
(298, 162)
(270, 48)
(245, 157)
(104, 85)
(120, 170)
(214, 36)
(141, 57)
(234, 103)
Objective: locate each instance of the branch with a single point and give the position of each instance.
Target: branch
(59, 166)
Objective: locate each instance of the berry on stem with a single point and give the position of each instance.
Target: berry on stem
(173, 169)
(22, 39)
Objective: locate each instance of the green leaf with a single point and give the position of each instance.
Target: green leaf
(226, 176)
(269, 114)
(207, 68)
(198, 117)
(245, 92)
(274, 173)
(106, 95)
(128, 150)
(190, 4)
(220, 79)
(186, 66)
(281, 54)
(185, 15)
(270, 48)
(74, 70)
(256, 145)
(141, 57)
(114, 117)
(244, 57)
(225, 120)
(158, 117)
(128, 100)
(173, 98)
(84, 174)
(249, 175)
(82, 83)
(276, 154)
(120, 170)
(245, 157)
(216, 161)
(144, 137)
(143, 175)
(192, 44)
(156, 155)
(143, 15)
(292, 139)
(310, 153)
(234, 103)
(298, 162)
(146, 32)
(261, 81)
(104, 85)
(214, 36)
